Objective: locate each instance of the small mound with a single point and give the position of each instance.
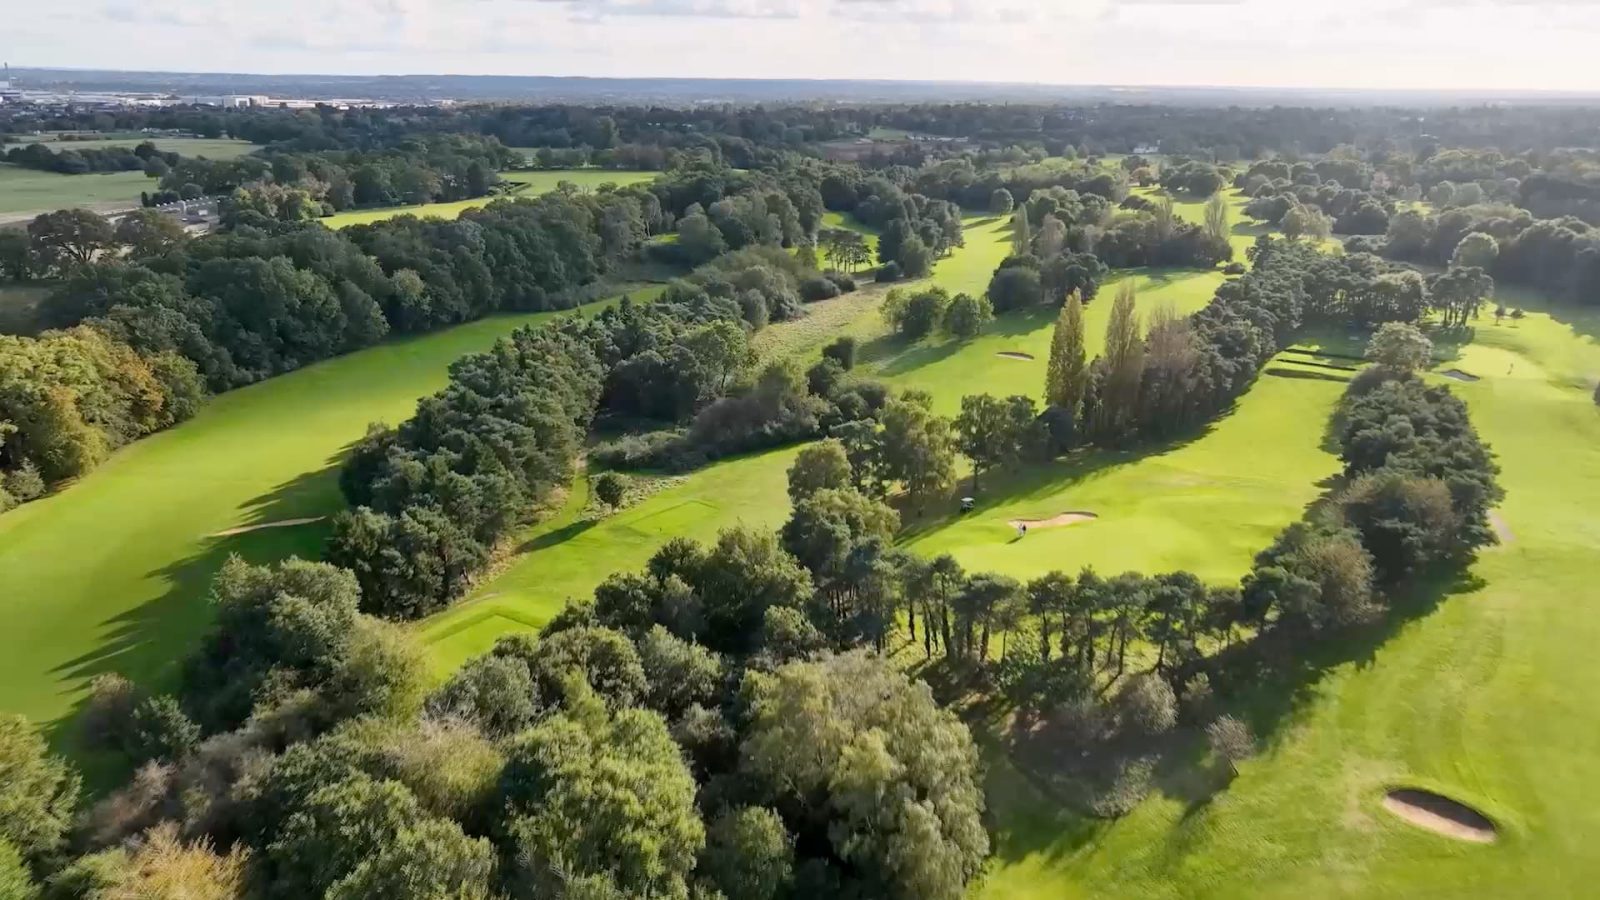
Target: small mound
(1061, 521)
(282, 523)
(1459, 375)
(1440, 814)
(1015, 354)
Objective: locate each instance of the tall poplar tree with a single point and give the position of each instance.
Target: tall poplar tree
(1021, 233)
(1068, 376)
(1124, 363)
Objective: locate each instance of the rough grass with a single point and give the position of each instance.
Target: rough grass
(110, 573)
(532, 184)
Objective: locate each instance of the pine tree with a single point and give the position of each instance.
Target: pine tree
(1021, 233)
(1069, 366)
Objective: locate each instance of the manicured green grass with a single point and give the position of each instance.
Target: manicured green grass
(1195, 506)
(32, 191)
(210, 148)
(110, 573)
(1482, 693)
(533, 184)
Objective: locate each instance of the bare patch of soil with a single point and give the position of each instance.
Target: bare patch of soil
(1501, 529)
(282, 523)
(1061, 521)
(1015, 354)
(1459, 375)
(1440, 814)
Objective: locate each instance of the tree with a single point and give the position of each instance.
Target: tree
(611, 488)
(916, 315)
(1459, 294)
(1306, 221)
(819, 467)
(16, 255)
(842, 351)
(429, 860)
(993, 432)
(1476, 250)
(1015, 287)
(722, 349)
(15, 880)
(1400, 348)
(591, 792)
(1230, 740)
(1068, 375)
(146, 232)
(918, 447)
(749, 854)
(881, 781)
(70, 237)
(1217, 227)
(38, 792)
(966, 315)
(1001, 203)
(159, 864)
(160, 730)
(493, 693)
(1021, 233)
(1124, 363)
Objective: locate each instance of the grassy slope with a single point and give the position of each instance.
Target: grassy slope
(1482, 694)
(110, 573)
(541, 182)
(29, 190)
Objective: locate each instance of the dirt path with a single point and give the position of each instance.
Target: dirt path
(1440, 815)
(1061, 521)
(281, 523)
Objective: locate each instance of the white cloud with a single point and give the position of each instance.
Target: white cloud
(1356, 43)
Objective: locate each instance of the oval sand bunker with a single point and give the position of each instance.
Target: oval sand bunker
(1440, 814)
(1061, 521)
(1015, 354)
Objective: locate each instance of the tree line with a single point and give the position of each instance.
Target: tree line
(142, 157)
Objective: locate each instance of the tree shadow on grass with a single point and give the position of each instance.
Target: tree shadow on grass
(148, 644)
(557, 536)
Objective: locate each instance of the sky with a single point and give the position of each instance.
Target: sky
(1433, 44)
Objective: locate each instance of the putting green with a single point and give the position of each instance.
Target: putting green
(110, 573)
(534, 184)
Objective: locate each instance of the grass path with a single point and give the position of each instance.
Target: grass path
(110, 573)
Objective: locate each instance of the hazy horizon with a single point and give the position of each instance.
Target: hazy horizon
(1427, 45)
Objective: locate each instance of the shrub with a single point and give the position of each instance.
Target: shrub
(1234, 268)
(25, 483)
(611, 488)
(818, 287)
(160, 730)
(108, 714)
(889, 271)
(1146, 705)
(1231, 741)
(844, 281)
(843, 351)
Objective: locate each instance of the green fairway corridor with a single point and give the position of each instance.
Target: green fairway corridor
(1481, 690)
(110, 573)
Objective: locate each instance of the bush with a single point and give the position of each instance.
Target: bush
(640, 451)
(844, 281)
(611, 488)
(843, 351)
(889, 271)
(818, 288)
(25, 483)
(107, 718)
(160, 730)
(1231, 741)
(1234, 268)
(1146, 705)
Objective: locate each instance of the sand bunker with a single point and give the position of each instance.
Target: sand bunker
(281, 523)
(1061, 521)
(1501, 529)
(1440, 814)
(1459, 375)
(1014, 354)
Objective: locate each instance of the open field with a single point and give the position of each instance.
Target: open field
(210, 148)
(110, 573)
(1480, 691)
(25, 193)
(533, 184)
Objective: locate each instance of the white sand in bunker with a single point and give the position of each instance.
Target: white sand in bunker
(281, 523)
(1014, 354)
(1061, 521)
(1459, 375)
(1440, 814)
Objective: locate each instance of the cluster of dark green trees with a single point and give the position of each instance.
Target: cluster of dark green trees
(65, 159)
